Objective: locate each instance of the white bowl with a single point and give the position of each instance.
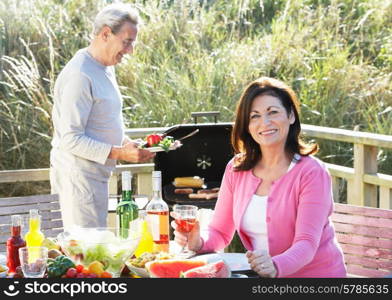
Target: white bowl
(5, 272)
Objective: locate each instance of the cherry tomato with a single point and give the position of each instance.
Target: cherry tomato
(153, 140)
(79, 268)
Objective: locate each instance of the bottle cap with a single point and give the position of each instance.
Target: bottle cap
(16, 220)
(156, 180)
(34, 213)
(126, 179)
(156, 174)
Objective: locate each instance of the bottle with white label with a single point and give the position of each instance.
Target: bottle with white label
(158, 215)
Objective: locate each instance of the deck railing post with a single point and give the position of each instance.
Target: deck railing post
(385, 197)
(113, 184)
(335, 188)
(351, 195)
(365, 162)
(144, 184)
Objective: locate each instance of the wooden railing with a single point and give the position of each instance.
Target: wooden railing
(363, 181)
(365, 187)
(142, 172)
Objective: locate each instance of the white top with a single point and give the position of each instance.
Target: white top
(254, 223)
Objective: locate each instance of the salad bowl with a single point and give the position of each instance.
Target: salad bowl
(104, 244)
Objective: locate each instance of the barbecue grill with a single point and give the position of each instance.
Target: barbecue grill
(205, 154)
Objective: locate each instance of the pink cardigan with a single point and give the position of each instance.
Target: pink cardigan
(301, 236)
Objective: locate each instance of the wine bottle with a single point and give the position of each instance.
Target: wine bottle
(158, 215)
(127, 209)
(14, 243)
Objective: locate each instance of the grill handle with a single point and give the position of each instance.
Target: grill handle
(214, 114)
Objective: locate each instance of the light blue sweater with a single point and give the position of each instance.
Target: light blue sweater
(87, 117)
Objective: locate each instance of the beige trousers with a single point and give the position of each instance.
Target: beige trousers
(83, 200)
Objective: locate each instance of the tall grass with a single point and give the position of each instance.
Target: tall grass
(198, 55)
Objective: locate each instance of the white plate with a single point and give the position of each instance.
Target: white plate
(3, 274)
(160, 149)
(142, 272)
(235, 261)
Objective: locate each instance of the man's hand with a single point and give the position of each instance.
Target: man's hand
(130, 152)
(126, 140)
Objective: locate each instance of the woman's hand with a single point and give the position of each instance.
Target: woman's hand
(261, 262)
(192, 238)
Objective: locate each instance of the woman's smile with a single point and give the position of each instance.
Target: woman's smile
(268, 132)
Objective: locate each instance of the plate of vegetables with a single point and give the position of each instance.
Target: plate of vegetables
(158, 143)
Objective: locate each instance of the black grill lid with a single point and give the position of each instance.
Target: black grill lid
(204, 154)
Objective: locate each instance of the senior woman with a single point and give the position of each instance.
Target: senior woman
(273, 193)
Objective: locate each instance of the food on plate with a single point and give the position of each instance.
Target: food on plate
(203, 196)
(212, 270)
(140, 262)
(156, 140)
(172, 268)
(153, 140)
(189, 182)
(183, 191)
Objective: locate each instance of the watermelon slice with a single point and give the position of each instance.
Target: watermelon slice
(213, 270)
(172, 268)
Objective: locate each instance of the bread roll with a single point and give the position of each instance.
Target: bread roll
(193, 182)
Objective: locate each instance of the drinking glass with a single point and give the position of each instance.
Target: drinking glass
(33, 261)
(185, 217)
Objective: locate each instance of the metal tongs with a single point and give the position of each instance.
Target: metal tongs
(188, 135)
(181, 138)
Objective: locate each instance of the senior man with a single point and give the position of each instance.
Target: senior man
(88, 133)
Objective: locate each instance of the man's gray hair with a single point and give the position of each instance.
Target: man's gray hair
(114, 16)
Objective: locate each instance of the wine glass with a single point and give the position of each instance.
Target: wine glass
(185, 217)
(33, 261)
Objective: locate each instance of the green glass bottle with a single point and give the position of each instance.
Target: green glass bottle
(127, 210)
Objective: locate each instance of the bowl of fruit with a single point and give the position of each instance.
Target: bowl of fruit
(109, 246)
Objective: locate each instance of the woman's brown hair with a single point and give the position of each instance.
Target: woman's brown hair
(241, 139)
